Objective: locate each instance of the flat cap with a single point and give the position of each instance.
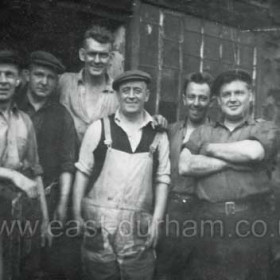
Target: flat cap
(131, 75)
(47, 59)
(229, 76)
(11, 57)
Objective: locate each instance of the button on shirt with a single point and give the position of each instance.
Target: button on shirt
(93, 136)
(230, 184)
(72, 92)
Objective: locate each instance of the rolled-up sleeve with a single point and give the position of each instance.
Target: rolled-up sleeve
(267, 134)
(90, 142)
(69, 144)
(163, 169)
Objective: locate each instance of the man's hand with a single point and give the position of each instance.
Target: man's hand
(25, 184)
(160, 122)
(153, 234)
(46, 235)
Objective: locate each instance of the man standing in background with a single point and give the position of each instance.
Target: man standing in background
(57, 143)
(174, 249)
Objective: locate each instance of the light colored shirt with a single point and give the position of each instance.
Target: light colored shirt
(93, 136)
(73, 95)
(18, 146)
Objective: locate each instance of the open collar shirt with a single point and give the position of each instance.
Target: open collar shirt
(72, 92)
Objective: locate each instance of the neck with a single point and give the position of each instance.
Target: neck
(4, 106)
(232, 124)
(36, 102)
(133, 118)
(190, 123)
(94, 81)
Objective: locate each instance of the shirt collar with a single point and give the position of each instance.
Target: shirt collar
(109, 81)
(248, 120)
(148, 119)
(184, 123)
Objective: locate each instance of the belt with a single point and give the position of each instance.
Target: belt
(233, 207)
(183, 198)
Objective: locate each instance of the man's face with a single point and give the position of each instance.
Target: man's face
(197, 99)
(96, 56)
(42, 81)
(234, 99)
(132, 96)
(9, 80)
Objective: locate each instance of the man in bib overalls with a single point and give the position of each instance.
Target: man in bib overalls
(125, 163)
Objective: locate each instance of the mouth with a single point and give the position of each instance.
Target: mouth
(235, 107)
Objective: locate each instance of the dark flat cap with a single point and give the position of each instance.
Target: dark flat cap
(11, 57)
(229, 76)
(131, 75)
(47, 59)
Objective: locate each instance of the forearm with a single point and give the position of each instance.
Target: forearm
(80, 184)
(42, 196)
(8, 174)
(237, 152)
(65, 182)
(161, 194)
(199, 165)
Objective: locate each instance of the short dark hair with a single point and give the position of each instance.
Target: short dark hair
(198, 78)
(230, 76)
(99, 33)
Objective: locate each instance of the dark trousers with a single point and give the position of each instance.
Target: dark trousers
(177, 241)
(233, 245)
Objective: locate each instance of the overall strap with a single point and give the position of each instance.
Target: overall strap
(107, 132)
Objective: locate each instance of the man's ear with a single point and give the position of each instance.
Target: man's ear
(82, 54)
(147, 95)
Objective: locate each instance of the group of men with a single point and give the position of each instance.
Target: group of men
(140, 194)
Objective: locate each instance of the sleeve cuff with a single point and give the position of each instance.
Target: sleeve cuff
(165, 179)
(81, 167)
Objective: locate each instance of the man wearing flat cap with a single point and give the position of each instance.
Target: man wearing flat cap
(55, 131)
(125, 164)
(231, 161)
(19, 163)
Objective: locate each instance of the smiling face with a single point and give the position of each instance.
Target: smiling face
(96, 56)
(9, 80)
(132, 96)
(42, 81)
(197, 99)
(235, 98)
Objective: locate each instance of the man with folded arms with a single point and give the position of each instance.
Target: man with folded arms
(231, 161)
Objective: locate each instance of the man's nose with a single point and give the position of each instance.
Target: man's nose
(232, 97)
(44, 80)
(97, 58)
(3, 78)
(196, 102)
(131, 93)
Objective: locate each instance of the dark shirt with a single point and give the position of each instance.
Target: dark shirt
(56, 137)
(231, 184)
(176, 135)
